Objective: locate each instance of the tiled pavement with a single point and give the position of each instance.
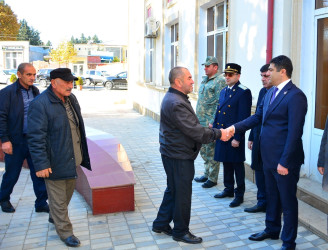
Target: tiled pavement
(220, 226)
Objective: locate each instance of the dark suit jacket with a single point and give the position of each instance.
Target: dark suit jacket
(231, 109)
(254, 136)
(282, 127)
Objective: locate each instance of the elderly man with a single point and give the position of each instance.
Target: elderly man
(208, 97)
(180, 137)
(15, 101)
(57, 142)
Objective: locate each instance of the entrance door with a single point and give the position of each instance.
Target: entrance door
(320, 102)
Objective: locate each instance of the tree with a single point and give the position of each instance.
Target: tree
(95, 39)
(27, 33)
(9, 26)
(83, 39)
(64, 53)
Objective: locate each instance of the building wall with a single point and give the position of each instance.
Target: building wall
(14, 46)
(293, 35)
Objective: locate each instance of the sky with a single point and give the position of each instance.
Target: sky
(59, 20)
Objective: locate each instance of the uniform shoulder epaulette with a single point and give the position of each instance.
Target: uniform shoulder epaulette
(242, 86)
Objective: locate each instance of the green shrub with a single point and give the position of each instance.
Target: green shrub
(13, 78)
(79, 81)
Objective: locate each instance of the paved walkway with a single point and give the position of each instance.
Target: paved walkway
(220, 226)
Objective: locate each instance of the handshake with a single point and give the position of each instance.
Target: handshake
(227, 133)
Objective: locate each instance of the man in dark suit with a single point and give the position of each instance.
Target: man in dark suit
(282, 112)
(254, 145)
(235, 104)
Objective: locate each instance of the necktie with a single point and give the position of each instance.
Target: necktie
(274, 94)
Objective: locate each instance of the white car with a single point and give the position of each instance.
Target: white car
(5, 75)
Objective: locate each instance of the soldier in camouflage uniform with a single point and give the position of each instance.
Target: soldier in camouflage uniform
(208, 96)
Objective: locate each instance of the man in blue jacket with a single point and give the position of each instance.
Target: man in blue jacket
(254, 145)
(15, 101)
(282, 113)
(235, 104)
(57, 142)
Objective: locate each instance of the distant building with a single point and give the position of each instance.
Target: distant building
(12, 53)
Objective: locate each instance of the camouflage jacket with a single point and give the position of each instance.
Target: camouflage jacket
(208, 97)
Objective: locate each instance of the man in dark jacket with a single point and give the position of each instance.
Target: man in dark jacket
(180, 138)
(254, 145)
(57, 142)
(15, 101)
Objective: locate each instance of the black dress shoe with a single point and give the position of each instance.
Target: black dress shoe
(72, 241)
(7, 207)
(44, 209)
(287, 248)
(209, 184)
(167, 231)
(236, 202)
(201, 179)
(223, 194)
(189, 238)
(262, 236)
(51, 220)
(255, 209)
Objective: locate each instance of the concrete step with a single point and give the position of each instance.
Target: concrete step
(313, 219)
(313, 206)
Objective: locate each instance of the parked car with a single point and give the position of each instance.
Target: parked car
(95, 77)
(117, 81)
(43, 77)
(6, 74)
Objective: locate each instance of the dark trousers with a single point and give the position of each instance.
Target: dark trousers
(60, 194)
(176, 204)
(13, 167)
(230, 171)
(260, 183)
(281, 198)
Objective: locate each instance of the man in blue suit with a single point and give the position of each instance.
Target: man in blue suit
(254, 145)
(235, 104)
(282, 113)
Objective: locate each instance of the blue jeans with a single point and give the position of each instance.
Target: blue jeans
(13, 167)
(176, 204)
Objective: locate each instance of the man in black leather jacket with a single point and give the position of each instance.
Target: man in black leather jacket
(180, 137)
(57, 142)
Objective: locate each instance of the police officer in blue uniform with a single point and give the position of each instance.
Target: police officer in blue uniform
(235, 104)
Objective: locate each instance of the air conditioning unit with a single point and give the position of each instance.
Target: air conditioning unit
(152, 27)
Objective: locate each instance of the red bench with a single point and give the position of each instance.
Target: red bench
(109, 187)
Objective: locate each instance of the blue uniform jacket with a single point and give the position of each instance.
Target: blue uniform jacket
(12, 113)
(231, 109)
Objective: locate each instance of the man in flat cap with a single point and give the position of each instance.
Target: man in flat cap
(57, 142)
(235, 104)
(208, 97)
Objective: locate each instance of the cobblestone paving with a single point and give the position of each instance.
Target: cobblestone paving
(220, 226)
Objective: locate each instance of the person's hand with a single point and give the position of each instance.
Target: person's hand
(282, 170)
(235, 143)
(250, 145)
(231, 130)
(44, 173)
(321, 170)
(7, 148)
(210, 125)
(225, 135)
